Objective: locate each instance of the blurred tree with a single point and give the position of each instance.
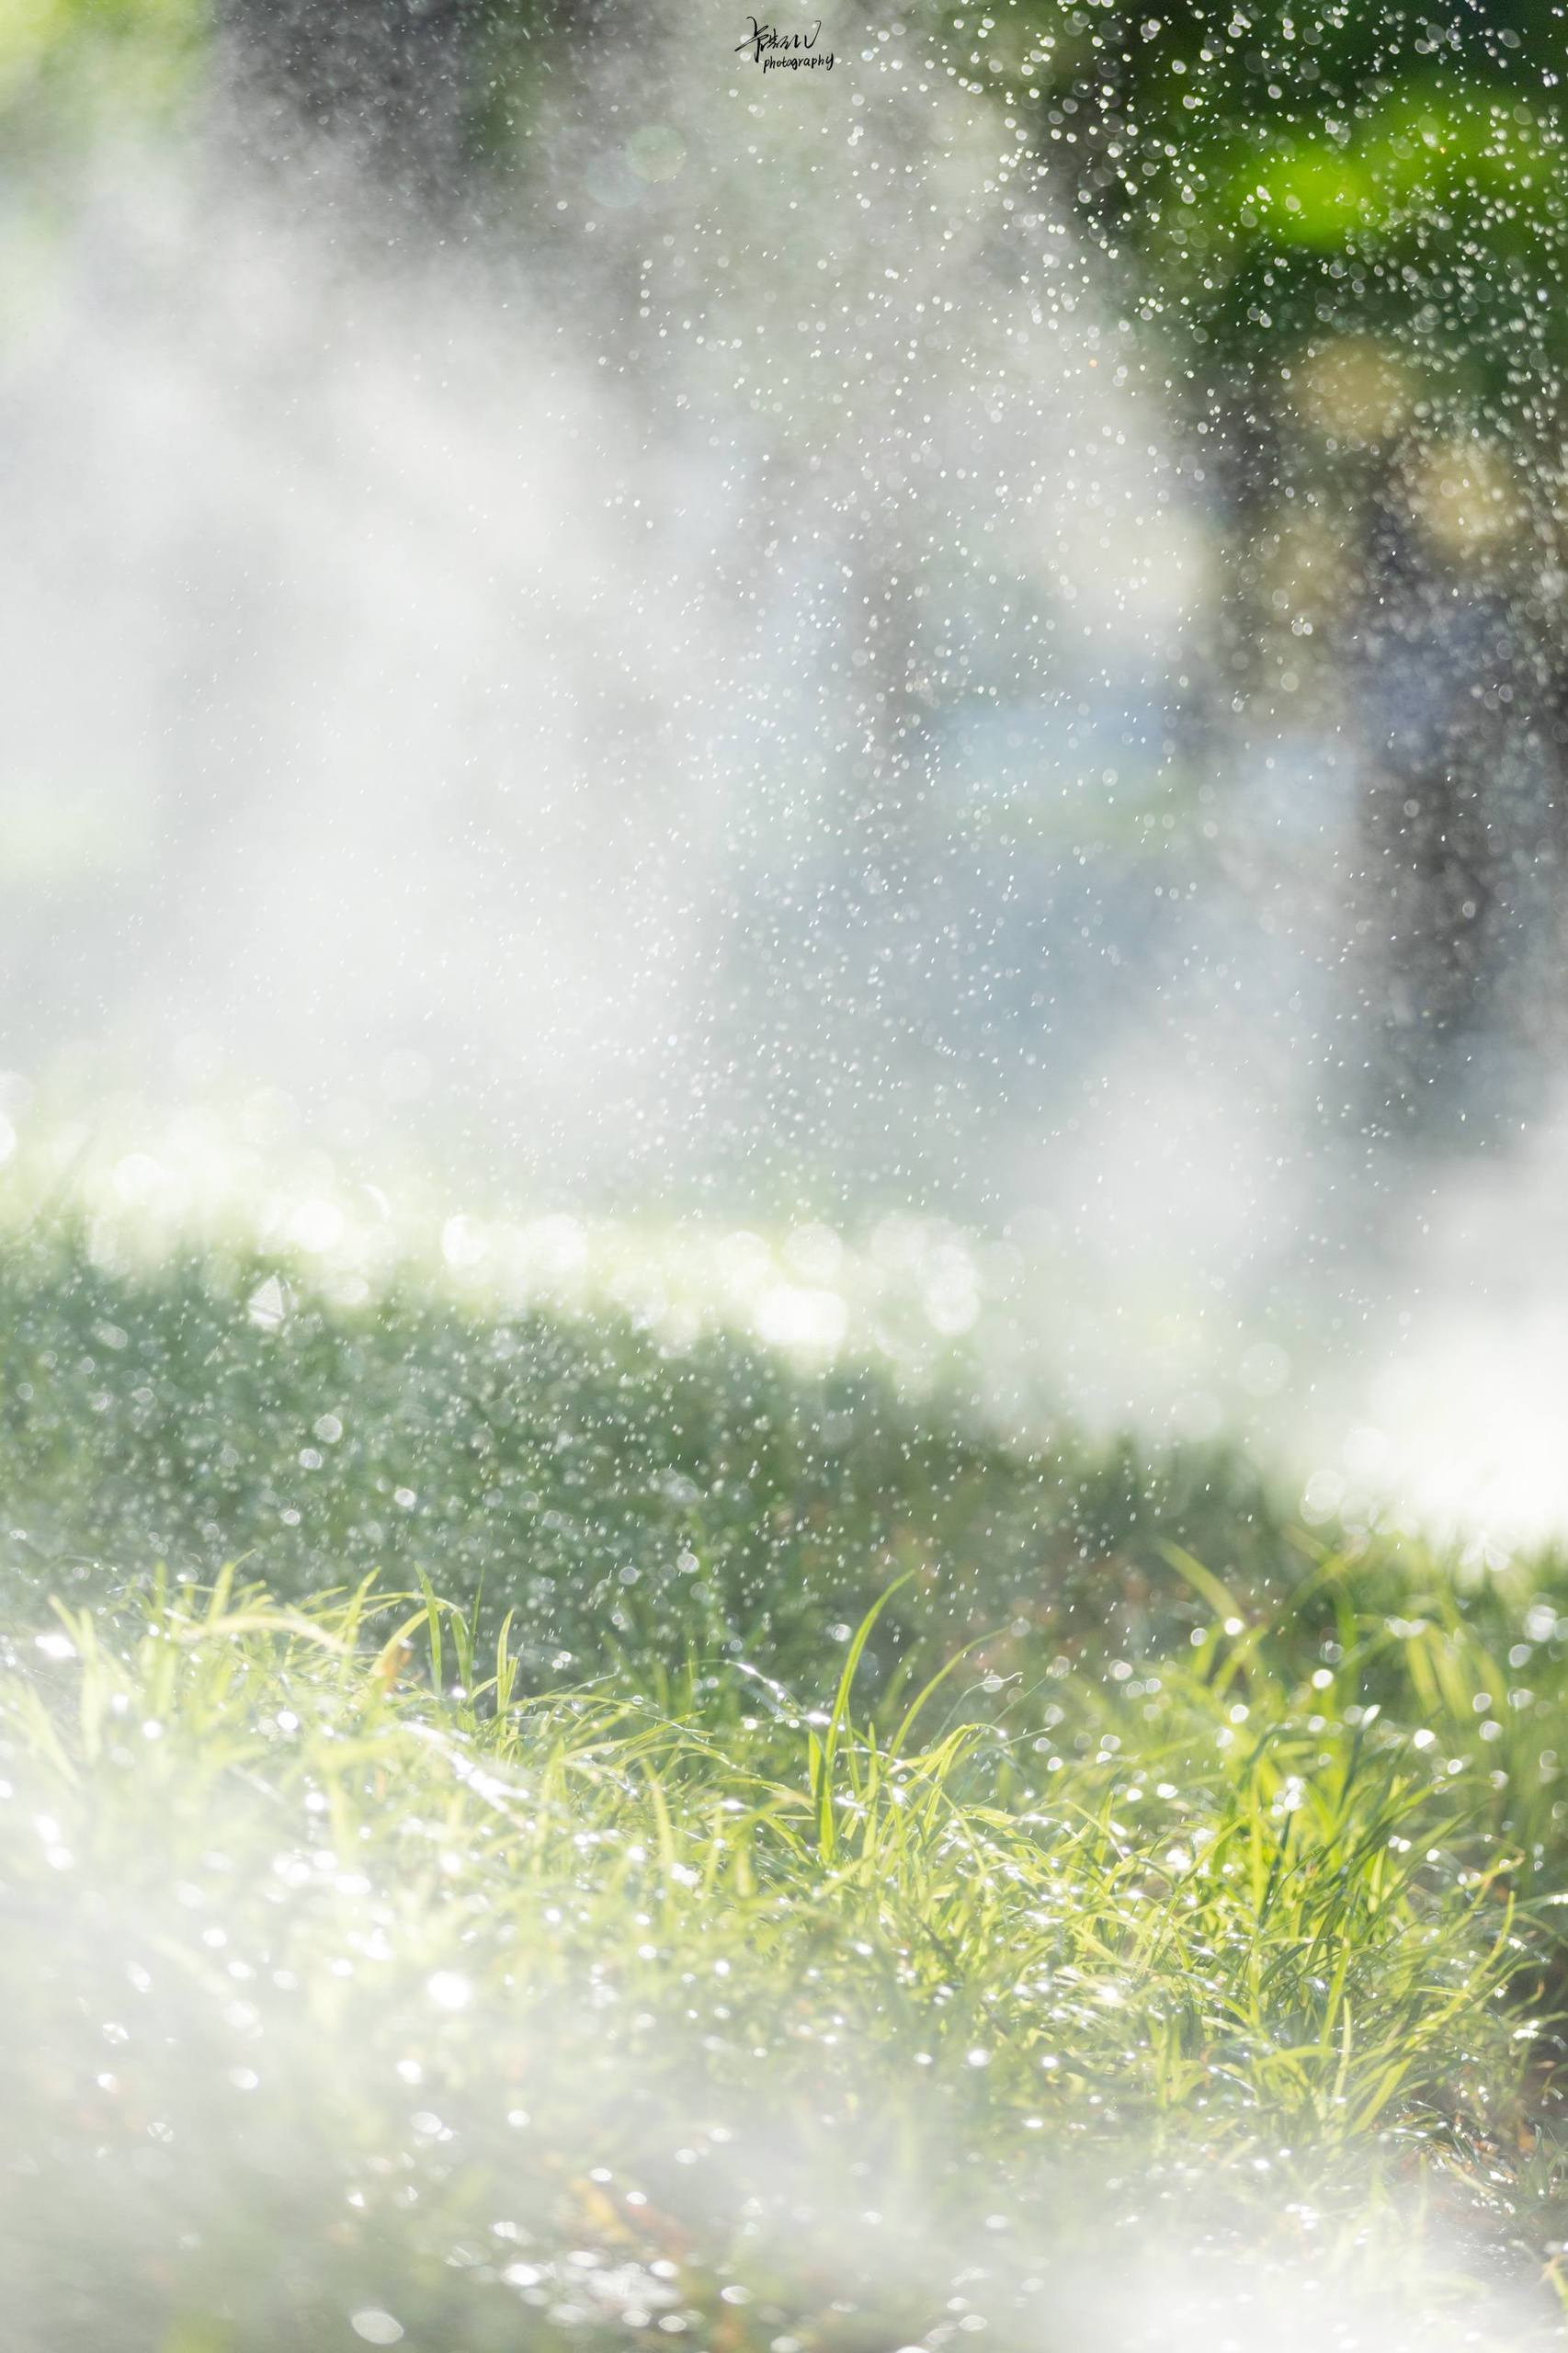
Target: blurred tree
(431, 95)
(389, 81)
(1348, 225)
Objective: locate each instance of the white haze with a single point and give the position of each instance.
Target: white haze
(295, 2139)
(678, 708)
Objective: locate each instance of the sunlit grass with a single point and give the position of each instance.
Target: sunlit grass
(334, 1990)
(313, 1892)
(515, 1827)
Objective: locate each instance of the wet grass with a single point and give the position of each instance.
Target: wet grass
(790, 1874)
(612, 1493)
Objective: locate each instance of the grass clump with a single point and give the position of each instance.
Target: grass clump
(333, 1992)
(792, 1875)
